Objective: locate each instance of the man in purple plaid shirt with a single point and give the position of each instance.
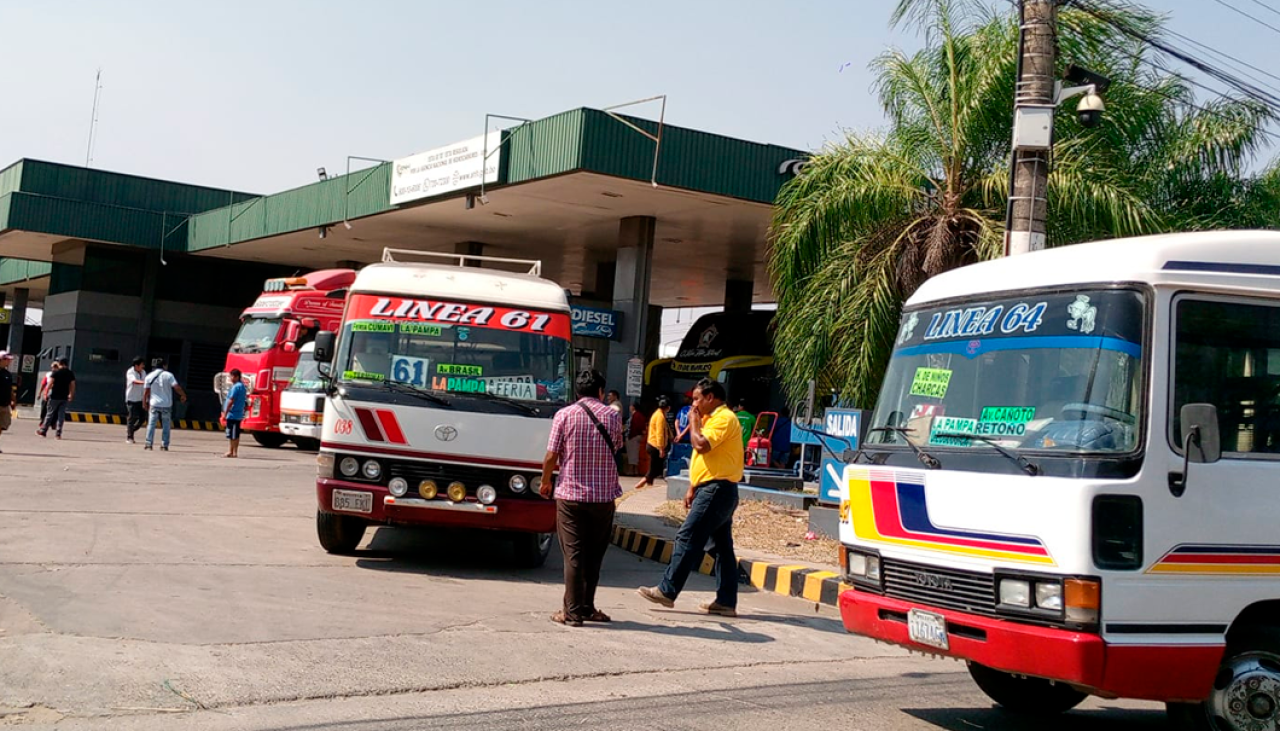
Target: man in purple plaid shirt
(584, 439)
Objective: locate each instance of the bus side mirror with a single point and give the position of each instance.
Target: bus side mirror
(1201, 442)
(324, 346)
(291, 331)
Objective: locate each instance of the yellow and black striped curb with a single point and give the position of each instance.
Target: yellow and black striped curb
(815, 585)
(119, 421)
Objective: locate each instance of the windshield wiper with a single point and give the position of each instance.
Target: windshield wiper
(925, 458)
(1031, 468)
(422, 393)
(531, 410)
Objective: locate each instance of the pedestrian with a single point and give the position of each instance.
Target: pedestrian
(780, 444)
(62, 391)
(635, 435)
(682, 419)
(233, 413)
(8, 397)
(746, 420)
(158, 390)
(657, 443)
(42, 393)
(134, 386)
(581, 446)
(615, 402)
(714, 473)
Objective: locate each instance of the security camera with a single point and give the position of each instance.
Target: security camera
(1090, 109)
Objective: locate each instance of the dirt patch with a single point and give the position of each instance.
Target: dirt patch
(761, 526)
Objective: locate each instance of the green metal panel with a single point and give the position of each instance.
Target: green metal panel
(18, 270)
(543, 148)
(92, 221)
(10, 180)
(323, 203)
(126, 191)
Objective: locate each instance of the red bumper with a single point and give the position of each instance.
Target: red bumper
(531, 515)
(1149, 672)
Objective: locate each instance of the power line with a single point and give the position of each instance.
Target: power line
(1259, 3)
(1259, 21)
(1229, 57)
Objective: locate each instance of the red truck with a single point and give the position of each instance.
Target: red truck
(287, 315)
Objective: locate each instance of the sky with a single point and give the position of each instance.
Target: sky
(256, 96)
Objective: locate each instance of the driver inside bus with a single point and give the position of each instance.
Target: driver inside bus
(370, 353)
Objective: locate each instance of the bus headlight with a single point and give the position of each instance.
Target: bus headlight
(398, 486)
(1015, 593)
(536, 485)
(324, 465)
(518, 483)
(350, 466)
(372, 469)
(428, 490)
(1049, 595)
(486, 494)
(457, 492)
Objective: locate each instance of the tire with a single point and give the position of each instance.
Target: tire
(1031, 696)
(339, 533)
(1253, 659)
(269, 439)
(307, 444)
(531, 549)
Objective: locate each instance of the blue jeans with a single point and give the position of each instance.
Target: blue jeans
(710, 518)
(163, 414)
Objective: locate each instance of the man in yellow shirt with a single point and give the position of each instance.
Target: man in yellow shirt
(714, 473)
(657, 443)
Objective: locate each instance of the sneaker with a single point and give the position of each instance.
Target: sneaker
(129, 441)
(720, 609)
(146, 448)
(41, 432)
(164, 449)
(655, 595)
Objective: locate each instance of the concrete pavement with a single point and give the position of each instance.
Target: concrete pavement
(181, 590)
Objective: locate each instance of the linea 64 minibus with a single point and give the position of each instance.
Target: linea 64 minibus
(1071, 478)
(442, 384)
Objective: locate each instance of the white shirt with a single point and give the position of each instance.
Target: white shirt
(161, 383)
(133, 386)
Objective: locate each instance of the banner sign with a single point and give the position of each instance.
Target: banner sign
(845, 423)
(445, 169)
(403, 309)
(594, 322)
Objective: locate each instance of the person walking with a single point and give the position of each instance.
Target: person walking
(746, 420)
(614, 400)
(714, 473)
(157, 394)
(582, 447)
(8, 397)
(636, 426)
(42, 393)
(233, 412)
(62, 391)
(657, 443)
(134, 386)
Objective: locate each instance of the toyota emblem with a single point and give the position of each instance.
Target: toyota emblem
(446, 433)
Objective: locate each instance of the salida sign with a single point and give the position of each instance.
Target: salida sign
(366, 307)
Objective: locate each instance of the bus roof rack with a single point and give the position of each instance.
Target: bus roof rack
(535, 265)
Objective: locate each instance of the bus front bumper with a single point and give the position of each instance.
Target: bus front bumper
(530, 515)
(1081, 659)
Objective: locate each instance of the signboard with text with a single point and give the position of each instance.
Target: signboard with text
(846, 423)
(595, 322)
(445, 169)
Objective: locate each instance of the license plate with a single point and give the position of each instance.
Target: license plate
(353, 501)
(928, 628)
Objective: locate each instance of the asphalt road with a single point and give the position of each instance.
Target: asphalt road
(179, 590)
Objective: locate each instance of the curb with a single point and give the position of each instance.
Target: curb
(815, 585)
(118, 420)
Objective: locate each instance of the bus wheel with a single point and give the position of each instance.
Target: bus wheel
(531, 549)
(339, 533)
(1246, 693)
(1025, 695)
(269, 439)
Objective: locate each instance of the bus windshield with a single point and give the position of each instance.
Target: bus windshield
(456, 359)
(1057, 371)
(306, 377)
(256, 335)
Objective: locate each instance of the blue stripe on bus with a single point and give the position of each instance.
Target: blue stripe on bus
(962, 347)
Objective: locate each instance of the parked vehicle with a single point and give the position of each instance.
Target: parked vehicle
(443, 382)
(1069, 479)
(286, 316)
(302, 402)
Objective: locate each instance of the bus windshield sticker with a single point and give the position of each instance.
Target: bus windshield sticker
(944, 424)
(362, 376)
(458, 385)
(1005, 421)
(453, 369)
(413, 328)
(407, 369)
(516, 387)
(931, 382)
(373, 326)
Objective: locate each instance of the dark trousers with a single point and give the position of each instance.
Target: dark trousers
(710, 519)
(55, 416)
(584, 530)
(137, 417)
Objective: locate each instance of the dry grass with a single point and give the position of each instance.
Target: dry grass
(761, 526)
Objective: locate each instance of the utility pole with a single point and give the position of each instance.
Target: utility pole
(1025, 221)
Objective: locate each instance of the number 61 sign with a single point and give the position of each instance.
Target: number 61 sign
(414, 371)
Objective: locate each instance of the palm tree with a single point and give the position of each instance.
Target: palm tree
(873, 217)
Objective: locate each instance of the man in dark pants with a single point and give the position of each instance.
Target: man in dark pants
(714, 473)
(134, 385)
(62, 390)
(584, 439)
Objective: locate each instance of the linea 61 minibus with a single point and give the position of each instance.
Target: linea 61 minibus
(1071, 479)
